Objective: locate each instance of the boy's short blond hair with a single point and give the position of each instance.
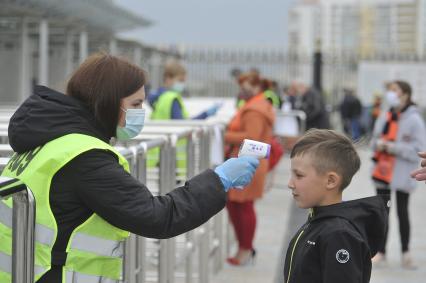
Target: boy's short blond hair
(330, 151)
(172, 69)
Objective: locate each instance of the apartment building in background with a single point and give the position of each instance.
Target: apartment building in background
(362, 27)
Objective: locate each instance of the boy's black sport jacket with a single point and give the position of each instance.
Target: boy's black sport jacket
(337, 242)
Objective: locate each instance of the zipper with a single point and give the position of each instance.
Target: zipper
(294, 249)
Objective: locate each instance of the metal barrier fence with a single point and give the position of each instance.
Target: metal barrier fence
(22, 222)
(175, 259)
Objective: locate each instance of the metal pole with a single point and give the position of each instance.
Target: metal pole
(204, 254)
(69, 52)
(23, 237)
(84, 46)
(171, 243)
(24, 77)
(137, 56)
(218, 241)
(190, 238)
(30, 236)
(129, 268)
(317, 83)
(190, 171)
(43, 58)
(113, 50)
(141, 259)
(141, 168)
(167, 165)
(126, 262)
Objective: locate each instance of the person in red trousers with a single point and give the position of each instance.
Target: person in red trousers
(253, 121)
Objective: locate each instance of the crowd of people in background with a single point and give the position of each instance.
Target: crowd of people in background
(392, 124)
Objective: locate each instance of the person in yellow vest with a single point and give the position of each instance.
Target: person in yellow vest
(87, 202)
(269, 91)
(167, 104)
(167, 101)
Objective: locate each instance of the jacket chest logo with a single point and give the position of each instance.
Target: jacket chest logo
(311, 243)
(342, 256)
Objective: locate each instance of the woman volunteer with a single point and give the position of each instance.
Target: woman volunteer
(399, 134)
(87, 201)
(254, 120)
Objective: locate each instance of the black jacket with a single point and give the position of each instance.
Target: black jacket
(351, 107)
(312, 103)
(94, 182)
(337, 243)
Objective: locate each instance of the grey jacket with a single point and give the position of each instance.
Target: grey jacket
(411, 138)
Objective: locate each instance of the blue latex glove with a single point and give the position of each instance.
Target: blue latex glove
(212, 110)
(237, 172)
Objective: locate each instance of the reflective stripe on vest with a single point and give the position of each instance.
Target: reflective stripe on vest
(5, 215)
(95, 247)
(83, 242)
(43, 235)
(74, 277)
(6, 265)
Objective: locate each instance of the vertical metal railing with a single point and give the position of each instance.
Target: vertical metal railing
(23, 226)
(208, 240)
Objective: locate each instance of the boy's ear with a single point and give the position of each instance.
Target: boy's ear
(333, 180)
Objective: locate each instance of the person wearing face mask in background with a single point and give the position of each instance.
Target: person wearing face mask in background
(167, 104)
(399, 134)
(254, 120)
(87, 202)
(167, 101)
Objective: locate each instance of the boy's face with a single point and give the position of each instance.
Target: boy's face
(309, 188)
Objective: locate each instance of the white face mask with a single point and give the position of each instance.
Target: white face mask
(178, 87)
(392, 99)
(135, 119)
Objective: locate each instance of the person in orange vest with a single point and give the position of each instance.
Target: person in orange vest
(254, 120)
(399, 134)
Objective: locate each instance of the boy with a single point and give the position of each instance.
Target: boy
(339, 239)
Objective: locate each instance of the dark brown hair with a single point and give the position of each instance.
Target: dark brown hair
(405, 87)
(265, 84)
(330, 151)
(100, 82)
(252, 78)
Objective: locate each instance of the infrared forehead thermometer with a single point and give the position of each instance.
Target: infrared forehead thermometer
(253, 148)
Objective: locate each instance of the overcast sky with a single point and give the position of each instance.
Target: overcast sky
(236, 22)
